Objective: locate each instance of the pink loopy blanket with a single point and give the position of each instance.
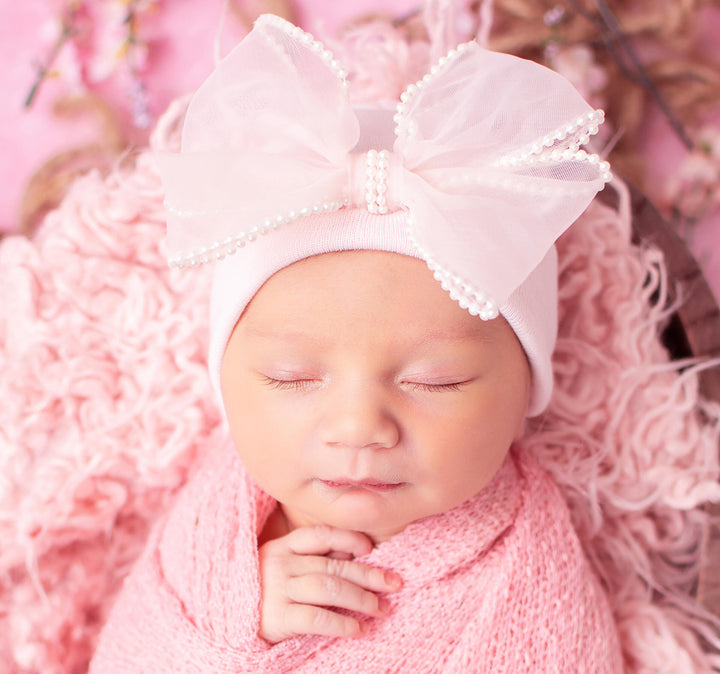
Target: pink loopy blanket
(497, 584)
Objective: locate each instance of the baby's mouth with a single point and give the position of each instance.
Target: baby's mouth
(368, 484)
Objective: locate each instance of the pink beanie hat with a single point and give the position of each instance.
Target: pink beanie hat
(531, 310)
(477, 172)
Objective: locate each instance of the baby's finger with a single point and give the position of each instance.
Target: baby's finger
(335, 592)
(368, 577)
(322, 539)
(308, 619)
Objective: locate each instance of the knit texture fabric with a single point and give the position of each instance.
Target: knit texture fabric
(497, 584)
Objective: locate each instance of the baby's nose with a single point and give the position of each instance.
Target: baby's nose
(373, 178)
(361, 419)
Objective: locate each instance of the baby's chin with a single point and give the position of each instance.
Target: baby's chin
(378, 529)
(357, 513)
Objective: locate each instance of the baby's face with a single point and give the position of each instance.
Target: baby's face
(360, 395)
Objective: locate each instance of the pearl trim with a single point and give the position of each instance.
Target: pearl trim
(376, 181)
(310, 42)
(563, 144)
(228, 246)
(403, 126)
(518, 184)
(475, 301)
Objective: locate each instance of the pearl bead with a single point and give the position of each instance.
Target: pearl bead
(309, 41)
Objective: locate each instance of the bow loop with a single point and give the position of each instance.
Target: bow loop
(265, 141)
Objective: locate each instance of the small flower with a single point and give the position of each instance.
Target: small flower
(577, 63)
(140, 106)
(554, 17)
(375, 46)
(92, 41)
(694, 189)
(709, 141)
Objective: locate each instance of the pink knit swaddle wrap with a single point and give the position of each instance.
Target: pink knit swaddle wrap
(497, 584)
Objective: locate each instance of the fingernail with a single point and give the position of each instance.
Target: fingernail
(383, 606)
(393, 579)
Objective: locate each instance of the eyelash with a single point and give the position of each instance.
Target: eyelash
(435, 388)
(302, 385)
(288, 384)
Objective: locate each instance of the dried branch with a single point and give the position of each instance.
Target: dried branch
(622, 51)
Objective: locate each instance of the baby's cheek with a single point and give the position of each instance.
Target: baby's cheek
(466, 447)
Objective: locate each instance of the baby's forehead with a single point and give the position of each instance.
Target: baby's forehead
(377, 296)
(356, 284)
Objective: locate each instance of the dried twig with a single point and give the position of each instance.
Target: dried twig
(620, 50)
(67, 32)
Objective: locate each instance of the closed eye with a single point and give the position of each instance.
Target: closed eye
(289, 384)
(433, 388)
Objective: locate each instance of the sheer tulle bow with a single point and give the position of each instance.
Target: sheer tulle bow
(487, 159)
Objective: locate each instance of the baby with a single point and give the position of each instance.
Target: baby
(376, 353)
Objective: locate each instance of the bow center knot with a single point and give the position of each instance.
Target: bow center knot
(372, 176)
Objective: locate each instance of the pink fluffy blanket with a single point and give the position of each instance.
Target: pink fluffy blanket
(106, 406)
(497, 584)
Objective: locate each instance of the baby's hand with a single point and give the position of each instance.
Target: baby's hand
(302, 583)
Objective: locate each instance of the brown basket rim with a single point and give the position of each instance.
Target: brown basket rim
(696, 332)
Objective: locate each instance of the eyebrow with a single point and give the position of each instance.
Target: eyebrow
(282, 335)
(484, 333)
